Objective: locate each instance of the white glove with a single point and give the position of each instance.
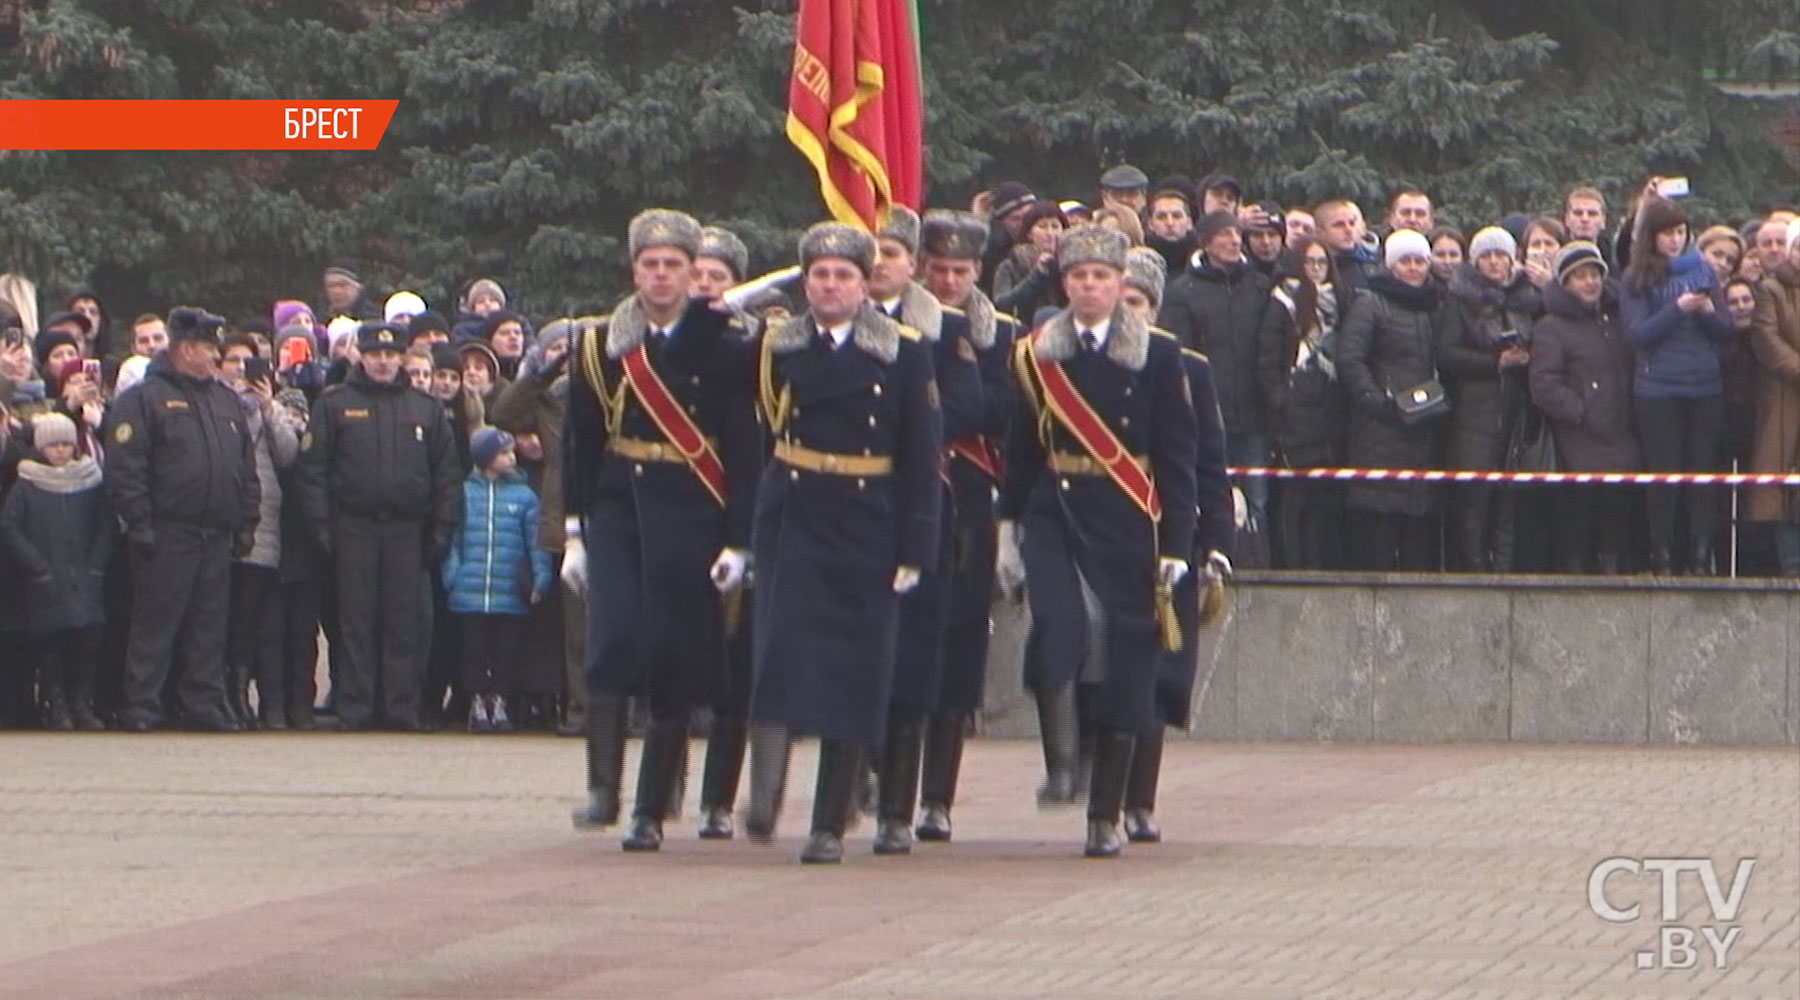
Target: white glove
(1009, 562)
(729, 569)
(905, 579)
(1218, 566)
(574, 560)
(1170, 571)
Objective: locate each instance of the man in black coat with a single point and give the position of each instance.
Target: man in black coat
(951, 244)
(1216, 307)
(846, 523)
(660, 457)
(1097, 517)
(924, 612)
(381, 491)
(182, 472)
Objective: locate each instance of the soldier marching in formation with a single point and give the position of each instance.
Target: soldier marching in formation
(865, 473)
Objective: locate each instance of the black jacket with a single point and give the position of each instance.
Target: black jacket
(179, 449)
(1306, 404)
(57, 529)
(382, 451)
(1581, 368)
(1385, 348)
(1485, 401)
(1218, 311)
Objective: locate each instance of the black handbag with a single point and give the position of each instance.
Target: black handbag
(1422, 403)
(1533, 444)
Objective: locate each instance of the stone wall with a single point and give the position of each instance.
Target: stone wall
(1448, 659)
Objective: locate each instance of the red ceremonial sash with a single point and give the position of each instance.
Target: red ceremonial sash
(674, 422)
(975, 450)
(1095, 438)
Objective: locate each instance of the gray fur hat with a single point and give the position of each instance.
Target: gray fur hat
(1094, 245)
(952, 235)
(724, 245)
(1146, 271)
(834, 239)
(902, 226)
(663, 227)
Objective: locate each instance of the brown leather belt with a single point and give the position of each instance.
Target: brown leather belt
(1064, 464)
(828, 464)
(647, 451)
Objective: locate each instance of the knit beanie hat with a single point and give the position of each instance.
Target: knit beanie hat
(486, 444)
(341, 328)
(1577, 255)
(1404, 243)
(51, 428)
(1009, 196)
(1214, 223)
(1490, 240)
(406, 304)
(446, 358)
(480, 287)
(50, 340)
(286, 310)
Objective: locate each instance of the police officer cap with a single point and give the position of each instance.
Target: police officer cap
(371, 337)
(1094, 245)
(952, 235)
(1146, 271)
(1124, 177)
(834, 239)
(724, 245)
(902, 227)
(189, 323)
(663, 227)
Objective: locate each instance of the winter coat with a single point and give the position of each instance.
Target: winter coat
(537, 404)
(1218, 311)
(1677, 357)
(1307, 410)
(1022, 290)
(276, 448)
(1385, 348)
(57, 528)
(1580, 377)
(494, 565)
(178, 449)
(1775, 445)
(1486, 401)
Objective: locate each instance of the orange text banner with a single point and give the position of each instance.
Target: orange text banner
(205, 125)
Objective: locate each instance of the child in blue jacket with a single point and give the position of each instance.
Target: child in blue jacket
(494, 574)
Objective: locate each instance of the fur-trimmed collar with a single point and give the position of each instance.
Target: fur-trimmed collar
(1127, 344)
(625, 329)
(983, 321)
(874, 334)
(920, 310)
(81, 474)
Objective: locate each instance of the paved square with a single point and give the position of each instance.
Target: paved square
(326, 866)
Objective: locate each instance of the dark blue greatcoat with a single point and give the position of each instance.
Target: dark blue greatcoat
(1085, 528)
(969, 561)
(924, 613)
(1214, 530)
(827, 545)
(652, 529)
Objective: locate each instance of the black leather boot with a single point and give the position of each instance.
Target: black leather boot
(899, 784)
(1140, 790)
(78, 684)
(1061, 735)
(840, 768)
(941, 768)
(770, 749)
(665, 748)
(719, 779)
(1112, 766)
(605, 762)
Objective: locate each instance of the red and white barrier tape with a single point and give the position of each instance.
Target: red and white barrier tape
(1474, 476)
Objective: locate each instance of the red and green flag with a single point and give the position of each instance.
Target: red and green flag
(854, 109)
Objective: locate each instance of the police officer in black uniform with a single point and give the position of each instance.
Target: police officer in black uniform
(1097, 519)
(182, 471)
(381, 490)
(951, 244)
(846, 523)
(1214, 533)
(924, 612)
(664, 517)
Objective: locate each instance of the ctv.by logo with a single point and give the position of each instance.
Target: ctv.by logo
(1675, 944)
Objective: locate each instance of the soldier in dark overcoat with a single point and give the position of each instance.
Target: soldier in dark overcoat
(661, 454)
(1097, 519)
(846, 523)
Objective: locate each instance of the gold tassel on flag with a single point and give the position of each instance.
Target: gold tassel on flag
(1166, 618)
(733, 604)
(1212, 602)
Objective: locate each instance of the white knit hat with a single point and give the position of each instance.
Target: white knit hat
(1404, 243)
(402, 304)
(342, 327)
(1491, 239)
